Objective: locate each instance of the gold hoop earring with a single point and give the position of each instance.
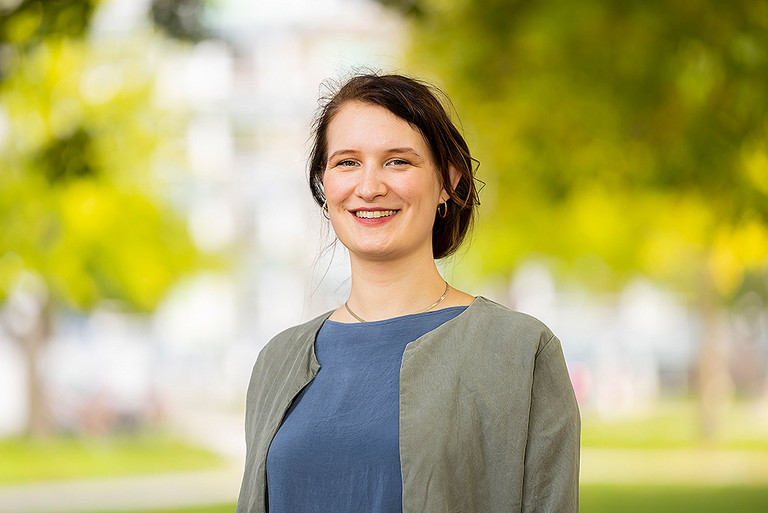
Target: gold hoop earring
(444, 213)
(324, 208)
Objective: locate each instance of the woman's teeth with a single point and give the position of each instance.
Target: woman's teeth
(373, 214)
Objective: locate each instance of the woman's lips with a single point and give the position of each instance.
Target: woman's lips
(373, 217)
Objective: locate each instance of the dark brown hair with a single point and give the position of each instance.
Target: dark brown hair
(417, 103)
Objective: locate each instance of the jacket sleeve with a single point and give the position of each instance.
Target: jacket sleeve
(551, 473)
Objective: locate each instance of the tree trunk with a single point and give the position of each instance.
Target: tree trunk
(32, 343)
(712, 376)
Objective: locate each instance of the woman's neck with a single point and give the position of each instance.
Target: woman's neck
(386, 289)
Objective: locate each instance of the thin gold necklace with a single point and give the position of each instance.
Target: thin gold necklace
(427, 309)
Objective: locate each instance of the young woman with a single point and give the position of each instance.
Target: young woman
(411, 396)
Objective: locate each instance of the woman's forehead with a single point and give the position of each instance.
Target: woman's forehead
(372, 126)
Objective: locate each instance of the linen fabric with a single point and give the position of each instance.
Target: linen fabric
(338, 447)
(488, 418)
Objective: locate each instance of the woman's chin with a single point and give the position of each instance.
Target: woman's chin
(383, 243)
(386, 251)
(382, 252)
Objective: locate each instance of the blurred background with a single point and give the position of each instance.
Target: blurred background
(156, 228)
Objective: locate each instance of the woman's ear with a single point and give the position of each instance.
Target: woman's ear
(454, 176)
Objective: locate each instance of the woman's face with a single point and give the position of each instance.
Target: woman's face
(381, 183)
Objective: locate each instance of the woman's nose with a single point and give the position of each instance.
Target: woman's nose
(370, 184)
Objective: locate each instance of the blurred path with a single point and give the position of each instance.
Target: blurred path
(674, 466)
(199, 488)
(124, 493)
(220, 433)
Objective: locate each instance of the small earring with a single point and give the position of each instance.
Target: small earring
(326, 214)
(444, 213)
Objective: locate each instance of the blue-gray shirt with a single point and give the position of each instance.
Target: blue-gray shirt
(337, 449)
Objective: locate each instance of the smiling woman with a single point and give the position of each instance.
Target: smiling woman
(382, 192)
(413, 395)
(417, 105)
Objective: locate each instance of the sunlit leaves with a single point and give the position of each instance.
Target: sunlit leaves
(627, 133)
(79, 205)
(24, 24)
(755, 169)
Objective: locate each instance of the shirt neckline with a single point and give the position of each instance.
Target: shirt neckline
(317, 323)
(398, 318)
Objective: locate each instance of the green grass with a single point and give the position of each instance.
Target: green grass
(26, 460)
(674, 425)
(670, 426)
(630, 499)
(669, 499)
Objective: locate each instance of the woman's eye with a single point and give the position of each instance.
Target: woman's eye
(346, 163)
(399, 162)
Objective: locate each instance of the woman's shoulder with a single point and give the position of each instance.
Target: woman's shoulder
(487, 343)
(295, 339)
(495, 323)
(494, 314)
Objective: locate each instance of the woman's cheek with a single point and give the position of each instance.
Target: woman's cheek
(335, 187)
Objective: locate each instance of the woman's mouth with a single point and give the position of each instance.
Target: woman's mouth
(374, 217)
(374, 214)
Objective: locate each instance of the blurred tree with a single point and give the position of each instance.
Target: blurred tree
(25, 23)
(181, 19)
(617, 137)
(82, 219)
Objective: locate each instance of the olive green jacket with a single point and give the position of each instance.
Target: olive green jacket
(488, 417)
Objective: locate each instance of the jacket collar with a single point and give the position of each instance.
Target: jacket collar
(308, 331)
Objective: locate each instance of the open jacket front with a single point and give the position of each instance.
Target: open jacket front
(488, 417)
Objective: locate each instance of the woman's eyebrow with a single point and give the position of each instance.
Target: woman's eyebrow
(404, 150)
(341, 152)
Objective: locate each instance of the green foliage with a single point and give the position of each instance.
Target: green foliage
(616, 137)
(79, 204)
(27, 460)
(180, 19)
(27, 23)
(405, 7)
